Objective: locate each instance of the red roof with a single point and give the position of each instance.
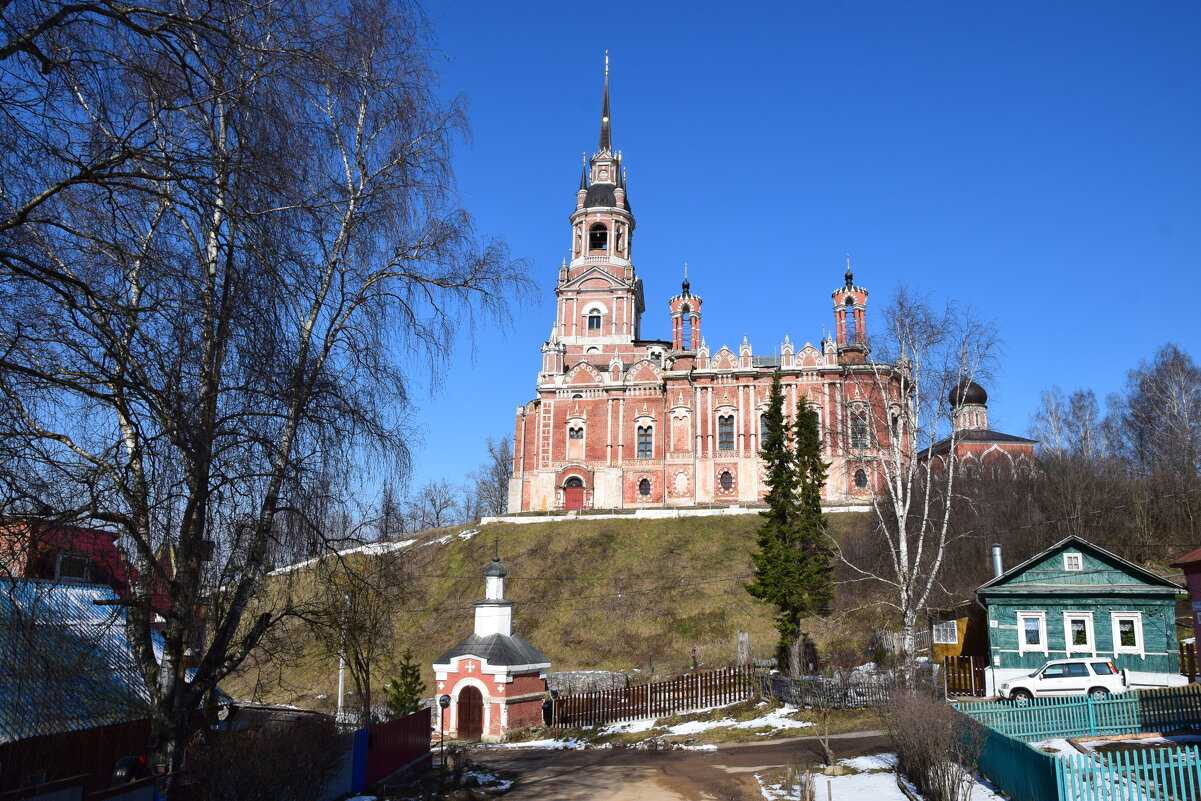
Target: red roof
(1190, 558)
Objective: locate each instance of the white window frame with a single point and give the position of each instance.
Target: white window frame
(1023, 646)
(1115, 619)
(1089, 647)
(939, 632)
(1068, 558)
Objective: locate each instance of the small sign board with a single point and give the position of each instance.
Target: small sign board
(1197, 606)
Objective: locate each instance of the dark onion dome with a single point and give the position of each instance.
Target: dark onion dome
(496, 569)
(967, 392)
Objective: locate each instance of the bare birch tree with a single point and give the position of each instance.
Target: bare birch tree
(490, 482)
(918, 355)
(223, 230)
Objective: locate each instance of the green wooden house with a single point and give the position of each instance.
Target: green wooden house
(1077, 599)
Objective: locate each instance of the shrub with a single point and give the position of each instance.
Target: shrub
(295, 760)
(937, 747)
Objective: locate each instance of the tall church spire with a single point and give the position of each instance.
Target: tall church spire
(606, 136)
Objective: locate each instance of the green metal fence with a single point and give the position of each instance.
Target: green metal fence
(1129, 713)
(1022, 773)
(1129, 774)
(1166, 774)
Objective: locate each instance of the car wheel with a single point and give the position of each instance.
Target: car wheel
(1021, 697)
(1098, 693)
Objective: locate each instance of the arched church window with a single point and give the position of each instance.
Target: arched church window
(577, 396)
(860, 479)
(725, 432)
(726, 481)
(645, 442)
(762, 430)
(644, 487)
(575, 433)
(575, 482)
(594, 320)
(686, 327)
(859, 431)
(598, 237)
(850, 318)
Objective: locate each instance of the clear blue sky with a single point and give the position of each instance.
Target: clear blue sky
(1040, 162)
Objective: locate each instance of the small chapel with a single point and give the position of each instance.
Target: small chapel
(496, 680)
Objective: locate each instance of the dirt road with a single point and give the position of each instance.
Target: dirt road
(727, 774)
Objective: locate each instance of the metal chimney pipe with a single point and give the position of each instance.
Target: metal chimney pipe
(997, 568)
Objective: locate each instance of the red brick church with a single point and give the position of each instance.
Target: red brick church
(621, 420)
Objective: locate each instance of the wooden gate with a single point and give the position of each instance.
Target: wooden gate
(471, 714)
(1188, 660)
(964, 675)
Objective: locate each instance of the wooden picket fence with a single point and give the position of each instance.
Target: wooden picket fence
(655, 699)
(1164, 774)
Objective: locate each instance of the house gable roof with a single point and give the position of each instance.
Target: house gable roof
(1103, 571)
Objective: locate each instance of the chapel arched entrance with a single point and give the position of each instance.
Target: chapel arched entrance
(471, 714)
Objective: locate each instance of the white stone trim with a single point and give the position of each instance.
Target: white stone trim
(470, 681)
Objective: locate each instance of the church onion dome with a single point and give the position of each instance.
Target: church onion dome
(496, 569)
(967, 392)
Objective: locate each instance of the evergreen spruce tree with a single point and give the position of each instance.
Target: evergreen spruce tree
(792, 565)
(404, 692)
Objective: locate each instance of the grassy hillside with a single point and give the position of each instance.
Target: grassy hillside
(607, 594)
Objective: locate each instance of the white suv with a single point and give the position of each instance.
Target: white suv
(1094, 677)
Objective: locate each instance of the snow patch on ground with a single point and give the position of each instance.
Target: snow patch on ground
(468, 533)
(877, 782)
(488, 780)
(875, 762)
(776, 720)
(371, 549)
(633, 726)
(696, 727)
(779, 719)
(1056, 745)
(550, 744)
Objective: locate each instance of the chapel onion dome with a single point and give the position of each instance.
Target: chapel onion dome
(496, 569)
(967, 392)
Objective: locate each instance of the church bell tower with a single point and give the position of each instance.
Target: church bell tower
(600, 297)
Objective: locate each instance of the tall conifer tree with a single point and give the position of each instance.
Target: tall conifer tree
(792, 565)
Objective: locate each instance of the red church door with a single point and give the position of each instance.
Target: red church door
(471, 714)
(573, 493)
